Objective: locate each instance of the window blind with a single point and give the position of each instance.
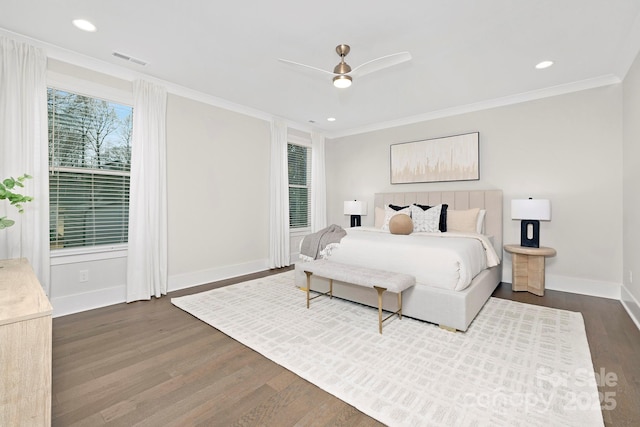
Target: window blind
(89, 170)
(299, 165)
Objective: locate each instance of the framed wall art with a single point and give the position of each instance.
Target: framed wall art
(451, 158)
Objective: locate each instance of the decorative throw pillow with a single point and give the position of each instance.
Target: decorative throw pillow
(390, 212)
(400, 224)
(463, 220)
(443, 214)
(397, 208)
(426, 220)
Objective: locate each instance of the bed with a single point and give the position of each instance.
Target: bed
(450, 306)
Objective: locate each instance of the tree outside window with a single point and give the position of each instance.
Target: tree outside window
(299, 165)
(89, 168)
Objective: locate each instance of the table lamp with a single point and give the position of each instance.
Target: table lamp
(355, 208)
(530, 212)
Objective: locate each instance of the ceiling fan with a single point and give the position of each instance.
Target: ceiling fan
(343, 73)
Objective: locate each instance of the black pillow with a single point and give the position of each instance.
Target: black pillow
(442, 226)
(398, 208)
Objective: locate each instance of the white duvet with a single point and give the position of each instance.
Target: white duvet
(445, 260)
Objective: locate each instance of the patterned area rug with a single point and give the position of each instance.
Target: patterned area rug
(517, 364)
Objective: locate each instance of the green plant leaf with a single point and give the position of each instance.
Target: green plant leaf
(9, 183)
(6, 222)
(15, 199)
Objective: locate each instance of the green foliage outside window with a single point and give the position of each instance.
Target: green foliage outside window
(298, 158)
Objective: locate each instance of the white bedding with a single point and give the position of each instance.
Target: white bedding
(445, 260)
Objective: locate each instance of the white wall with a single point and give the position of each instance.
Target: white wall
(218, 165)
(218, 174)
(631, 191)
(566, 148)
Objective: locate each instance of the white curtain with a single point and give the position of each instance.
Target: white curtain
(318, 183)
(279, 197)
(24, 149)
(147, 255)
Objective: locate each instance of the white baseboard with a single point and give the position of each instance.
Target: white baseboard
(574, 285)
(71, 304)
(77, 303)
(631, 305)
(582, 286)
(187, 280)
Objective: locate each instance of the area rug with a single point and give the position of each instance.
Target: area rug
(517, 364)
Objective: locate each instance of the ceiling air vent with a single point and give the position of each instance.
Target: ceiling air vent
(129, 58)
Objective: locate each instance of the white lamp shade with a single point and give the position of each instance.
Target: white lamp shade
(355, 207)
(539, 209)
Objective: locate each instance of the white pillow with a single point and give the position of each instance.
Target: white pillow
(389, 212)
(426, 220)
(480, 223)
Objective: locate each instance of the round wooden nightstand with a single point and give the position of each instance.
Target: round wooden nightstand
(527, 272)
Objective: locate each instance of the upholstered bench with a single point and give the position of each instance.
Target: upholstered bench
(379, 280)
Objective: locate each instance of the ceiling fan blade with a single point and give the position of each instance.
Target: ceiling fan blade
(380, 63)
(297, 64)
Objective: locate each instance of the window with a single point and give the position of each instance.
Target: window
(89, 168)
(299, 162)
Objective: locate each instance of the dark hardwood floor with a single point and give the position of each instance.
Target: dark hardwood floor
(150, 363)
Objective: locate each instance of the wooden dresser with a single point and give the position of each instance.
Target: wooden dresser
(25, 347)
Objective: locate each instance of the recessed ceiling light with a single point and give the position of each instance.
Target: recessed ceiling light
(544, 64)
(331, 119)
(84, 25)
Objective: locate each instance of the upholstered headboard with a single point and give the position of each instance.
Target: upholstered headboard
(491, 200)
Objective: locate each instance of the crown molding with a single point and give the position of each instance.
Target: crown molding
(113, 70)
(483, 105)
(75, 58)
(93, 64)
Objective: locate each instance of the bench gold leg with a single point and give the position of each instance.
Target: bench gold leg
(329, 293)
(308, 273)
(399, 312)
(380, 291)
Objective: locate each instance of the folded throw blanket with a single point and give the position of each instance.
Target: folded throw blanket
(314, 243)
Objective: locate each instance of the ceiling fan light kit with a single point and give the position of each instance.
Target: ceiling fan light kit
(343, 73)
(342, 81)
